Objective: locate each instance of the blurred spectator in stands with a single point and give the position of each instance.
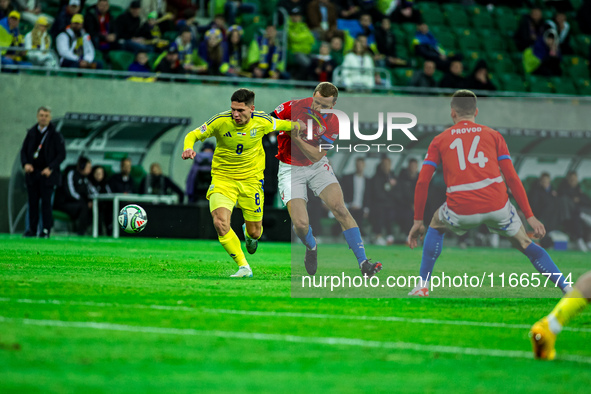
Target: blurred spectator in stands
(75, 47)
(424, 78)
(546, 206)
(98, 185)
(264, 56)
(199, 176)
(531, 27)
(322, 64)
(336, 50)
(407, 180)
(39, 40)
(358, 67)
(583, 17)
(300, 41)
(453, 79)
(158, 184)
(213, 53)
(100, 24)
(233, 8)
(186, 48)
(322, 19)
(405, 13)
(236, 53)
(10, 36)
(348, 9)
(353, 9)
(544, 57)
(384, 202)
(479, 79)
(128, 28)
(386, 44)
(31, 10)
(153, 33)
(140, 64)
(42, 152)
(64, 18)
(289, 5)
(427, 46)
(169, 63)
(271, 168)
(562, 28)
(74, 196)
(122, 182)
(356, 190)
(149, 6)
(219, 22)
(6, 7)
(366, 24)
(579, 205)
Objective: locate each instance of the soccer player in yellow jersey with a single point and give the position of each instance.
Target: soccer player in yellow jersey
(543, 333)
(237, 170)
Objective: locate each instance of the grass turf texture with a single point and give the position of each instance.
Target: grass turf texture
(168, 319)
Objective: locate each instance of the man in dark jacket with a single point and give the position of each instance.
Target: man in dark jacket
(158, 184)
(128, 28)
(100, 24)
(74, 196)
(531, 27)
(41, 155)
(122, 182)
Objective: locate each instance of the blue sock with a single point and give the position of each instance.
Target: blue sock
(353, 237)
(431, 251)
(543, 263)
(309, 240)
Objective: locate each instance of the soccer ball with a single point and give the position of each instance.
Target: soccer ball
(132, 218)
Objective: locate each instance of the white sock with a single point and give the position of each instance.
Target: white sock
(554, 324)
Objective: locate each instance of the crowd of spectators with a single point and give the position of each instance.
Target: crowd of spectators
(353, 37)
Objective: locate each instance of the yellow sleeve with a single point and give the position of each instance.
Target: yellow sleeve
(203, 132)
(281, 125)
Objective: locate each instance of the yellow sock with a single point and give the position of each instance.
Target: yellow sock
(231, 243)
(568, 307)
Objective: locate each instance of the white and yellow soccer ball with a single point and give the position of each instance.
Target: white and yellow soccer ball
(132, 218)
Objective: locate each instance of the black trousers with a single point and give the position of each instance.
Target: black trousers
(39, 190)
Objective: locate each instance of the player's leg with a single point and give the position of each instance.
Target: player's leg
(298, 212)
(543, 333)
(251, 201)
(332, 195)
(538, 256)
(221, 207)
(432, 246)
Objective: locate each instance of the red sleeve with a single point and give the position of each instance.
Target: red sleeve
(516, 187)
(502, 150)
(422, 189)
(283, 111)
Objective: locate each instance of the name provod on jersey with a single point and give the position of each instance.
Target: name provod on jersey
(466, 130)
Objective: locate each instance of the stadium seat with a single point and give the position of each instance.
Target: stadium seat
(492, 41)
(471, 58)
(116, 10)
(540, 84)
(512, 82)
(581, 44)
(468, 40)
(431, 13)
(506, 21)
(564, 85)
(24, 27)
(170, 35)
(445, 37)
(500, 63)
(402, 76)
(121, 60)
(576, 67)
(480, 17)
(583, 86)
(455, 15)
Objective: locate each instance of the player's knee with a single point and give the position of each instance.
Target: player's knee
(301, 225)
(340, 212)
(221, 226)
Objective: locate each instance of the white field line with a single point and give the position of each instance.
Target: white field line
(289, 338)
(289, 314)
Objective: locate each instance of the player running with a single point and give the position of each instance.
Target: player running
(543, 333)
(471, 155)
(237, 171)
(303, 164)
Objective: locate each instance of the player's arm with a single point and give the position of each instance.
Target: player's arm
(199, 134)
(313, 153)
(282, 112)
(432, 160)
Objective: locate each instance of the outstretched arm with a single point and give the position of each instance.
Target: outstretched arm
(421, 192)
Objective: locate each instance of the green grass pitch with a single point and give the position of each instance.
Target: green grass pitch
(152, 315)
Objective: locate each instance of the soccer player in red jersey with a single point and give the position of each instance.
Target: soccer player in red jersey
(471, 156)
(303, 164)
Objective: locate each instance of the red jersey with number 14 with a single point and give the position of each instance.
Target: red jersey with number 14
(325, 130)
(470, 154)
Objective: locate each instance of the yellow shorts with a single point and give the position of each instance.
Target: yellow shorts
(246, 194)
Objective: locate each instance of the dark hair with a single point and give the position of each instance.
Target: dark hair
(243, 96)
(464, 102)
(361, 158)
(413, 160)
(125, 159)
(327, 89)
(545, 174)
(43, 108)
(82, 162)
